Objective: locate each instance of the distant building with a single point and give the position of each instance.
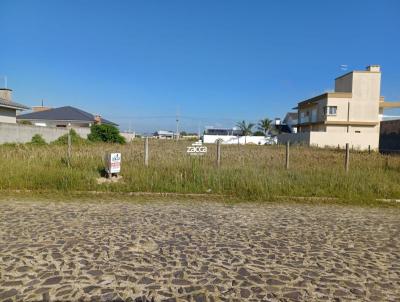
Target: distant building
(62, 117)
(223, 131)
(163, 134)
(351, 114)
(291, 120)
(232, 136)
(8, 108)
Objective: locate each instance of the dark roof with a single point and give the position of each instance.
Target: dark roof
(67, 113)
(293, 115)
(13, 105)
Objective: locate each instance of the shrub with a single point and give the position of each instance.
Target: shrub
(38, 140)
(75, 139)
(105, 133)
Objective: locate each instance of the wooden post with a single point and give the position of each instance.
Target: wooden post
(369, 149)
(287, 154)
(146, 151)
(218, 153)
(69, 148)
(347, 159)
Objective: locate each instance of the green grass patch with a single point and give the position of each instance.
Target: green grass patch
(254, 173)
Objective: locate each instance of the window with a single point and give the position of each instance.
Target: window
(330, 110)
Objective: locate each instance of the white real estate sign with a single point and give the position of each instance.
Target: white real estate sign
(113, 162)
(196, 148)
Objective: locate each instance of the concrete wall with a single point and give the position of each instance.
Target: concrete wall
(16, 133)
(231, 140)
(7, 115)
(359, 141)
(129, 136)
(390, 136)
(294, 138)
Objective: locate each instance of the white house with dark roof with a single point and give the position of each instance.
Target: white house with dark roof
(8, 108)
(63, 117)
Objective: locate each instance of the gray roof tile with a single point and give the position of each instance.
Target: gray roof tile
(66, 113)
(15, 105)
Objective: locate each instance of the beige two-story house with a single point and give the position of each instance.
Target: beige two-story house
(351, 114)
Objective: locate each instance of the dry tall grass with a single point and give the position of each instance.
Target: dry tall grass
(247, 172)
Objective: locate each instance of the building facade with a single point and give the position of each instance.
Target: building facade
(8, 108)
(351, 114)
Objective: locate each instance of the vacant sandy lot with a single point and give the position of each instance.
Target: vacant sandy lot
(197, 251)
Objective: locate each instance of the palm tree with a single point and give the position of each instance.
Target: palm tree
(264, 125)
(245, 128)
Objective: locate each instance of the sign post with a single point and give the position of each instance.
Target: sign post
(113, 163)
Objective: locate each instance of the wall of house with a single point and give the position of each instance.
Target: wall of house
(7, 115)
(353, 129)
(358, 141)
(48, 123)
(365, 87)
(344, 83)
(16, 133)
(342, 105)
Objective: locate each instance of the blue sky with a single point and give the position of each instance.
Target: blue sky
(216, 62)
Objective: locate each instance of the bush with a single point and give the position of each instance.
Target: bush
(38, 140)
(75, 139)
(105, 133)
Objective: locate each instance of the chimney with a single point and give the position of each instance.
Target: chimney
(6, 94)
(97, 119)
(374, 68)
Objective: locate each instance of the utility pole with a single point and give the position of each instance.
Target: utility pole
(198, 130)
(177, 124)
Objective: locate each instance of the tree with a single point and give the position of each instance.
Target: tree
(246, 128)
(258, 133)
(105, 133)
(264, 125)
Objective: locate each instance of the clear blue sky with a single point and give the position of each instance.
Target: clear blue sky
(218, 61)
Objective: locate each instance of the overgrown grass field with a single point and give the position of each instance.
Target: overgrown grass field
(247, 172)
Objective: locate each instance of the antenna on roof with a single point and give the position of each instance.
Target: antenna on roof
(5, 81)
(42, 102)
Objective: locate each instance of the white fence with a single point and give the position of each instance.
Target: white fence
(17, 133)
(230, 139)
